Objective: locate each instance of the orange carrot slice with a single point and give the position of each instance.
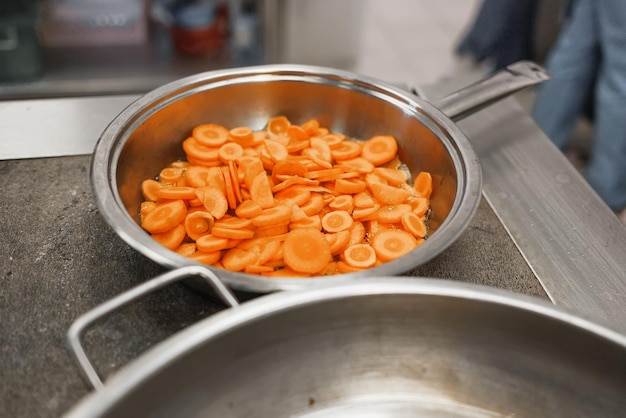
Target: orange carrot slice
(249, 209)
(380, 149)
(423, 184)
(213, 200)
(278, 125)
(171, 175)
(176, 192)
(165, 217)
(198, 223)
(149, 189)
(210, 134)
(273, 216)
(360, 255)
(338, 220)
(413, 224)
(172, 238)
(392, 243)
(209, 243)
(236, 259)
(306, 250)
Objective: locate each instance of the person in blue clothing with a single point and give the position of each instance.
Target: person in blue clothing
(588, 62)
(502, 33)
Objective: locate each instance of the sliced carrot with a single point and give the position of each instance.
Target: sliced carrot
(172, 238)
(357, 233)
(317, 157)
(230, 151)
(343, 267)
(165, 217)
(249, 209)
(261, 191)
(198, 151)
(297, 132)
(234, 178)
(206, 257)
(209, 243)
(413, 224)
(329, 172)
(213, 200)
(236, 259)
(314, 205)
(278, 125)
(393, 176)
(276, 150)
(392, 243)
(277, 231)
(198, 223)
(310, 222)
(210, 134)
(286, 272)
(288, 167)
(242, 135)
(311, 126)
(358, 164)
(186, 249)
(273, 216)
(380, 149)
(233, 222)
(297, 194)
(322, 147)
(258, 269)
(338, 220)
(196, 176)
(215, 178)
(251, 169)
(149, 189)
(349, 186)
(171, 175)
(419, 206)
(146, 207)
(334, 141)
(423, 184)
(306, 250)
(360, 256)
(363, 214)
(228, 188)
(176, 192)
(203, 163)
(236, 234)
(338, 241)
(346, 150)
(295, 146)
(329, 270)
(393, 214)
(389, 195)
(363, 200)
(342, 202)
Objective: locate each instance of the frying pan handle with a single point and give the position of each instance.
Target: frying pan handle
(503, 83)
(77, 330)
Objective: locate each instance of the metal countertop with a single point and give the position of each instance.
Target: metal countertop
(540, 230)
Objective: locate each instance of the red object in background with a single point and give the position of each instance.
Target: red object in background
(200, 41)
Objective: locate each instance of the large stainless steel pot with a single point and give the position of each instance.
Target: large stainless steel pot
(375, 348)
(148, 134)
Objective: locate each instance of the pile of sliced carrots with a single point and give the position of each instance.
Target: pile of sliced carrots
(288, 201)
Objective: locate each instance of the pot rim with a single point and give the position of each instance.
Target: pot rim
(109, 146)
(159, 356)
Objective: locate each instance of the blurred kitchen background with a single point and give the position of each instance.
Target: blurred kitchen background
(59, 48)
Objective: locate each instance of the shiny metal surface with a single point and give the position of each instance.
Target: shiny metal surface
(468, 100)
(147, 136)
(571, 239)
(55, 127)
(78, 328)
(378, 348)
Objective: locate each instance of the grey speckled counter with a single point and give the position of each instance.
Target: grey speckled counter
(59, 259)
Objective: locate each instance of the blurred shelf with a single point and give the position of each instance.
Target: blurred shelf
(109, 70)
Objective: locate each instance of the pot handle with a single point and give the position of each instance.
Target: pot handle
(481, 94)
(77, 330)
